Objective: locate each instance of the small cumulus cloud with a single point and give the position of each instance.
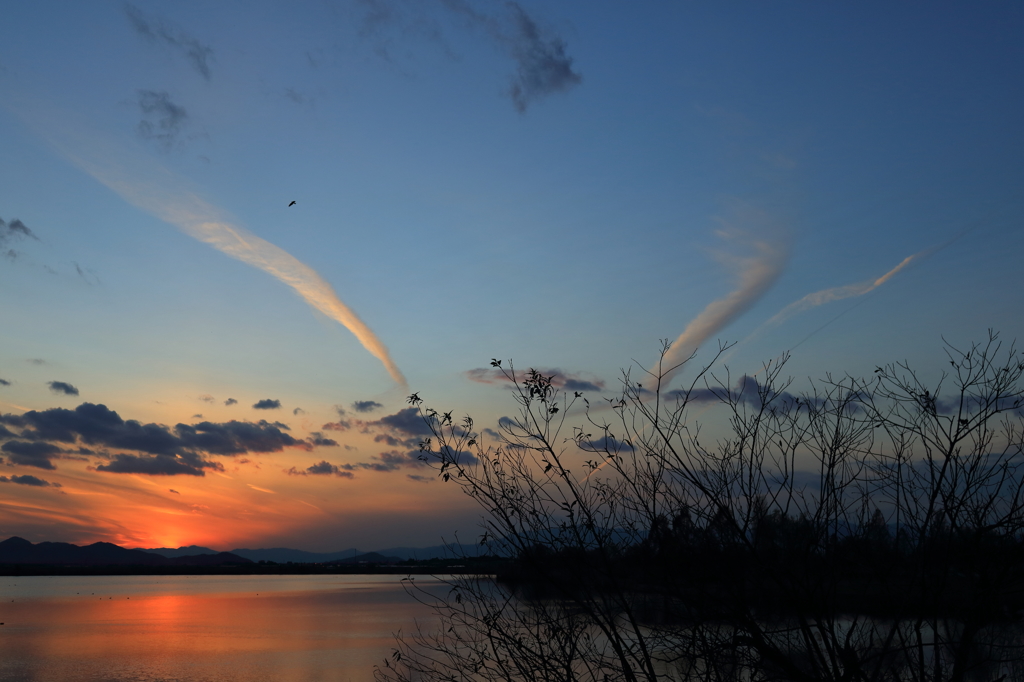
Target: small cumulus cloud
(158, 31)
(162, 450)
(197, 416)
(162, 120)
(35, 361)
(18, 227)
(407, 421)
(267, 404)
(31, 453)
(295, 96)
(544, 68)
(298, 410)
(62, 387)
(319, 440)
(88, 275)
(542, 64)
(14, 230)
(366, 405)
(579, 385)
(235, 437)
(415, 458)
(4, 382)
(29, 480)
(418, 478)
(748, 391)
(206, 398)
(560, 379)
(506, 423)
(391, 460)
(323, 468)
(606, 443)
(230, 401)
(187, 464)
(172, 490)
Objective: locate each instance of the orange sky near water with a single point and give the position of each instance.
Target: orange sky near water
(257, 500)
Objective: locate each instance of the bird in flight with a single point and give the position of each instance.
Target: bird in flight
(291, 204)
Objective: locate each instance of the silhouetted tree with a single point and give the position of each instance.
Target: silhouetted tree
(870, 529)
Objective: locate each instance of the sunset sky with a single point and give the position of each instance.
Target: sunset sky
(186, 358)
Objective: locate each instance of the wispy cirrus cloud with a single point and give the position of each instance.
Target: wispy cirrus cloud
(757, 263)
(156, 190)
(542, 62)
(157, 30)
(813, 300)
(829, 295)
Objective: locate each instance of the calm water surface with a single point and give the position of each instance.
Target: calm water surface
(200, 628)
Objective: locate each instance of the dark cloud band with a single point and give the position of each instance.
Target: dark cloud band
(160, 449)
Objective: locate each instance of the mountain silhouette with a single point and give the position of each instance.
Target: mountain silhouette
(283, 555)
(17, 550)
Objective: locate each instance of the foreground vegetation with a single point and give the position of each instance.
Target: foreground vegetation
(870, 529)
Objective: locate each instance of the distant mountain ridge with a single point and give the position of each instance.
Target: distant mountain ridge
(17, 550)
(283, 555)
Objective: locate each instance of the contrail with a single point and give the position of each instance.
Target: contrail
(757, 273)
(817, 298)
(161, 193)
(813, 300)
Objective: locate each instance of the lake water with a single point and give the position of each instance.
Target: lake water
(201, 628)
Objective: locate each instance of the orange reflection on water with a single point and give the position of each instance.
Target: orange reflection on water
(329, 631)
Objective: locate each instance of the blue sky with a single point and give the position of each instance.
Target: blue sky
(562, 184)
